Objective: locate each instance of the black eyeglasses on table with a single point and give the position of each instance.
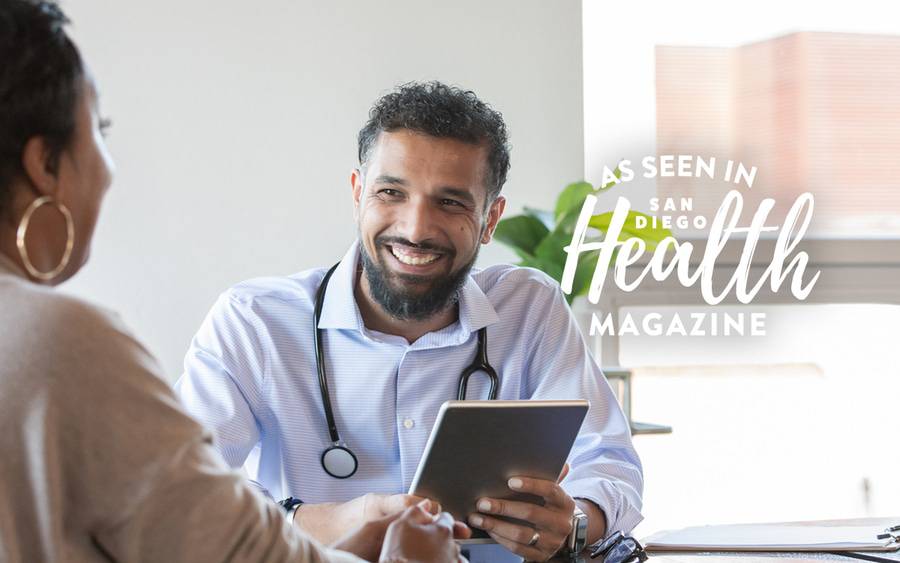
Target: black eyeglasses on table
(619, 548)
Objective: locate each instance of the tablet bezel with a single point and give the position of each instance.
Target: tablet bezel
(566, 426)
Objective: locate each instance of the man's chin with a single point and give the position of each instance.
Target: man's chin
(413, 287)
(411, 295)
(412, 284)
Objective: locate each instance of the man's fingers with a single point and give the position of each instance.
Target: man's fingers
(516, 533)
(528, 553)
(555, 520)
(551, 492)
(516, 538)
(519, 510)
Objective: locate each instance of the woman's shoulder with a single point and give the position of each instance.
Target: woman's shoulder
(66, 327)
(64, 315)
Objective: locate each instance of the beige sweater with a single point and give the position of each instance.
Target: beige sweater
(99, 462)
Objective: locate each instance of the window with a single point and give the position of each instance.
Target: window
(793, 425)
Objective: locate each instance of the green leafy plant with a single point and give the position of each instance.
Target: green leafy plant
(538, 237)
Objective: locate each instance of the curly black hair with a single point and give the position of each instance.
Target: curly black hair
(439, 110)
(40, 84)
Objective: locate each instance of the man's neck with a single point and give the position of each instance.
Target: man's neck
(376, 318)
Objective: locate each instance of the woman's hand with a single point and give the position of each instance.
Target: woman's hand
(418, 536)
(412, 535)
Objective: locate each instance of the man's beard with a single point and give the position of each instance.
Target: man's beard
(410, 305)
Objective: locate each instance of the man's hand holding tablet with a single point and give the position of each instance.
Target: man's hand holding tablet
(498, 465)
(550, 524)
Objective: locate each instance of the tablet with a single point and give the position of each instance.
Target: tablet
(475, 447)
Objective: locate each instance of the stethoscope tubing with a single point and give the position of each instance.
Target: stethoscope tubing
(320, 359)
(480, 363)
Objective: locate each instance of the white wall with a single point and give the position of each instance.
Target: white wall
(235, 131)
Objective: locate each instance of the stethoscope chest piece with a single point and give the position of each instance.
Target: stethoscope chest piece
(339, 462)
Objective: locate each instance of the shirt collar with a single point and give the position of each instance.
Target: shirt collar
(341, 311)
(475, 309)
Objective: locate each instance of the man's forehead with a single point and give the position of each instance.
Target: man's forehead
(413, 152)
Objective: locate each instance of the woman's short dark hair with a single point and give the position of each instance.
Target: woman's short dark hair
(440, 110)
(41, 73)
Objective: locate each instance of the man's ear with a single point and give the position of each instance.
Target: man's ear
(40, 170)
(357, 185)
(493, 217)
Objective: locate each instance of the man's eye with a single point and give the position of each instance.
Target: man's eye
(451, 202)
(389, 192)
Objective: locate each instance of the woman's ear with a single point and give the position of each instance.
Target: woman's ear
(40, 168)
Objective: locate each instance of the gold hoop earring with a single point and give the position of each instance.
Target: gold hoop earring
(23, 230)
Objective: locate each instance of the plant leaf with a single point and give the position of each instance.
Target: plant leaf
(522, 233)
(587, 263)
(551, 247)
(572, 197)
(545, 217)
(550, 251)
(551, 268)
(649, 234)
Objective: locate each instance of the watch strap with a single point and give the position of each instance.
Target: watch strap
(577, 538)
(290, 506)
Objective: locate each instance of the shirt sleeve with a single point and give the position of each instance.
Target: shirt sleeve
(604, 466)
(144, 478)
(223, 373)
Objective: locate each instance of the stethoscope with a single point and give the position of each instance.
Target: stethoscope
(337, 460)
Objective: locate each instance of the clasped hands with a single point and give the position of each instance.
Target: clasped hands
(420, 533)
(414, 529)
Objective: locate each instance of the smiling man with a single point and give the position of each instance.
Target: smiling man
(325, 385)
(419, 245)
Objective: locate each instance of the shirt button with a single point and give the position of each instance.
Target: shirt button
(409, 423)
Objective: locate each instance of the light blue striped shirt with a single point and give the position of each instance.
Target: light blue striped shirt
(250, 374)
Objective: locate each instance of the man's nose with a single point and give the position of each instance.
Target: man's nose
(417, 222)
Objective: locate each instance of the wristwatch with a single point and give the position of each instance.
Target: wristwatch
(577, 538)
(290, 506)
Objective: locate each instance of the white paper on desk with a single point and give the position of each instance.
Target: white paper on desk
(771, 537)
